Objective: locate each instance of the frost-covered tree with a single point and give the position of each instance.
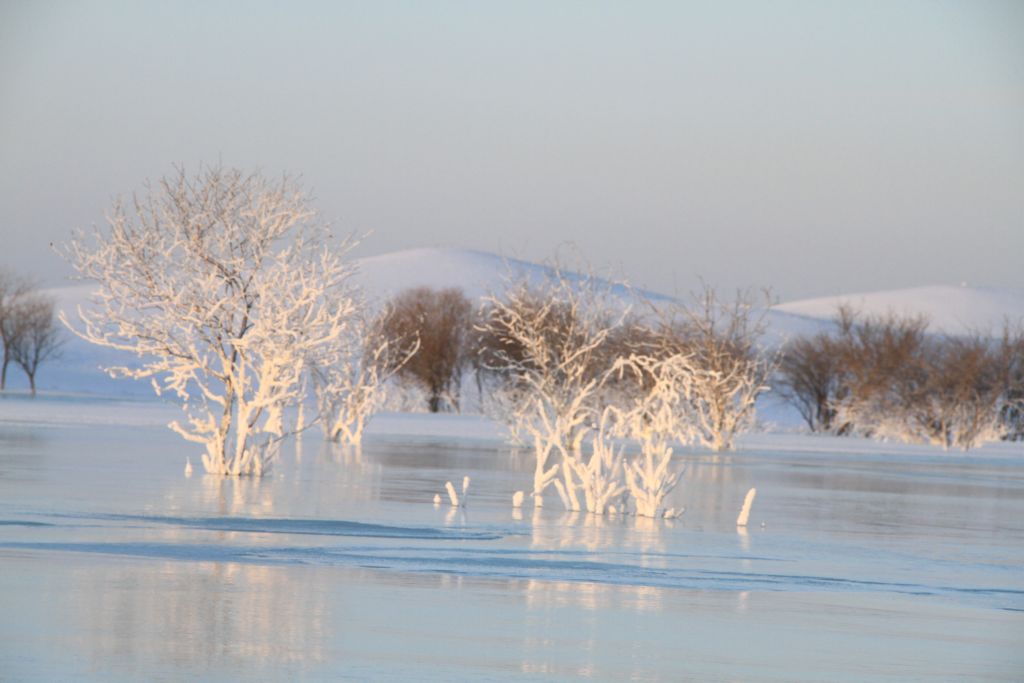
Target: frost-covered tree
(545, 341)
(730, 366)
(225, 286)
(350, 386)
(650, 478)
(601, 478)
(36, 337)
(659, 414)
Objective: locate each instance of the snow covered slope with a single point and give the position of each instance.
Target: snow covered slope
(477, 273)
(950, 310)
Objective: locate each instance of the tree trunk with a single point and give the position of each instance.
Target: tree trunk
(32, 382)
(3, 371)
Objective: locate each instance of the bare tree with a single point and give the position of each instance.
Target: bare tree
(37, 337)
(226, 286)
(13, 289)
(350, 387)
(439, 324)
(546, 343)
(966, 392)
(809, 378)
(1012, 410)
(951, 393)
(884, 371)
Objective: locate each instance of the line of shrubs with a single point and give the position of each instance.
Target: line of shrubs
(881, 376)
(888, 377)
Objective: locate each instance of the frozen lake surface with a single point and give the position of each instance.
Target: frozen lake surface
(874, 562)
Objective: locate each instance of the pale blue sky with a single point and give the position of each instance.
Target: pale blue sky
(817, 147)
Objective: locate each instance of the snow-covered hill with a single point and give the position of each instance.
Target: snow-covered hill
(477, 273)
(951, 309)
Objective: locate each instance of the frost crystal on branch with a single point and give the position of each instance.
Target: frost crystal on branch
(225, 286)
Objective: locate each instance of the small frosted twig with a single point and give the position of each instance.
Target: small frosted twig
(573, 503)
(517, 499)
(437, 499)
(465, 488)
(188, 466)
(452, 495)
(745, 512)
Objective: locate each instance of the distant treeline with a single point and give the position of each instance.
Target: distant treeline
(879, 376)
(888, 377)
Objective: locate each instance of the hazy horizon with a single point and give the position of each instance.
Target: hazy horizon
(817, 148)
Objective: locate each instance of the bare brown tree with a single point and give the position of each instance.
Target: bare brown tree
(37, 338)
(1012, 412)
(13, 289)
(884, 361)
(966, 381)
(809, 376)
(441, 322)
